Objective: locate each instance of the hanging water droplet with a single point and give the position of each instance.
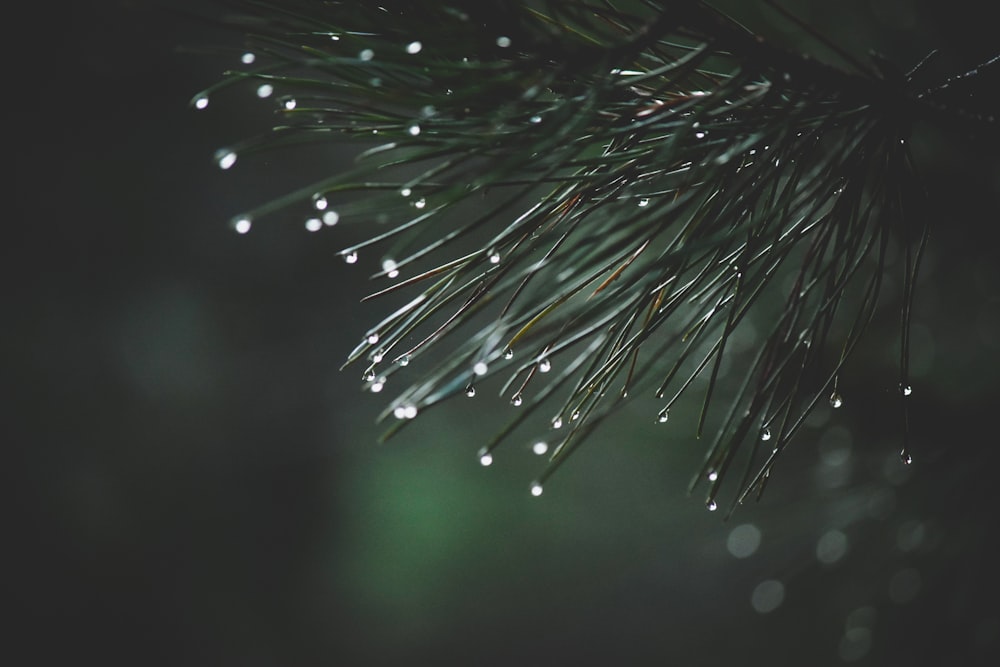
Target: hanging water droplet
(663, 417)
(557, 422)
(699, 135)
(536, 489)
(508, 353)
(405, 192)
(644, 202)
(836, 400)
(378, 385)
(765, 434)
(264, 90)
(320, 202)
(369, 375)
(535, 120)
(544, 366)
(404, 360)
(470, 391)
(290, 103)
(225, 158)
(414, 130)
(904, 456)
(494, 257)
(414, 47)
(516, 399)
(485, 458)
(503, 41)
(366, 55)
(713, 475)
(420, 203)
(711, 505)
(201, 102)
(314, 224)
(576, 415)
(480, 368)
(905, 389)
(248, 58)
(372, 338)
(242, 225)
(389, 266)
(330, 218)
(351, 257)
(408, 411)
(540, 448)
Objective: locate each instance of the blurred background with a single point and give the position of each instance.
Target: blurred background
(193, 481)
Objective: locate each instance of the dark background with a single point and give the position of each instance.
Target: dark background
(193, 481)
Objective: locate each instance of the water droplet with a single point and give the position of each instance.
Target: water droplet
(905, 389)
(369, 375)
(414, 130)
(699, 135)
(420, 203)
(248, 58)
(414, 47)
(503, 41)
(470, 391)
(290, 103)
(508, 353)
(713, 475)
(405, 192)
(404, 360)
(372, 338)
(351, 258)
(320, 202)
(378, 385)
(494, 257)
(836, 400)
(226, 158)
(201, 102)
(535, 120)
(480, 368)
(516, 399)
(264, 90)
(330, 218)
(540, 448)
(314, 224)
(765, 434)
(576, 415)
(366, 55)
(389, 266)
(663, 417)
(557, 422)
(405, 411)
(536, 489)
(905, 457)
(711, 505)
(644, 202)
(485, 458)
(544, 366)
(242, 225)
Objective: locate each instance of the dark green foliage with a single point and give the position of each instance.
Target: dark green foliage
(592, 200)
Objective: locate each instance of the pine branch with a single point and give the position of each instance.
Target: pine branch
(652, 175)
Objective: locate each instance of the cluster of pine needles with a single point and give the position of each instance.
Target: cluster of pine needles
(593, 200)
